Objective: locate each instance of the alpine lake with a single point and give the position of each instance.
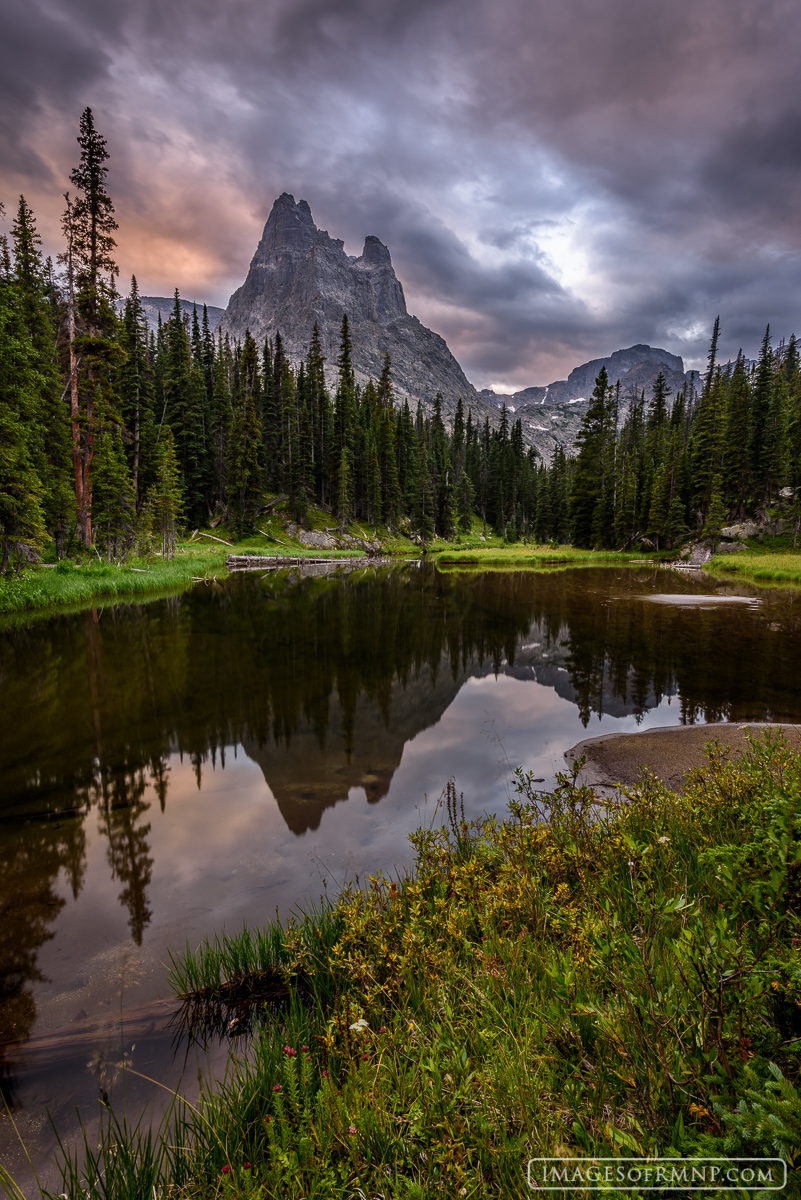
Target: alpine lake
(175, 769)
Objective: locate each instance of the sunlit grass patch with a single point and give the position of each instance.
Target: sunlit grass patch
(524, 555)
(782, 566)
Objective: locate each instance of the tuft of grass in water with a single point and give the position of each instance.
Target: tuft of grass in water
(234, 968)
(573, 980)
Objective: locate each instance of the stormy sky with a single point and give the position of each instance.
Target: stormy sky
(555, 179)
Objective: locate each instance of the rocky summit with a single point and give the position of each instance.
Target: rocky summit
(300, 275)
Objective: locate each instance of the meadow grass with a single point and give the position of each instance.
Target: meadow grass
(527, 555)
(568, 981)
(770, 566)
(69, 585)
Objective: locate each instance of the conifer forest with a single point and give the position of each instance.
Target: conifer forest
(114, 437)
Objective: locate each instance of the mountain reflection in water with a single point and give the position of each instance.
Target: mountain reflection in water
(322, 682)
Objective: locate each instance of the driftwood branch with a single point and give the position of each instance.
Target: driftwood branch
(68, 384)
(213, 538)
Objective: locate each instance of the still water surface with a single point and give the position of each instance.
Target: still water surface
(172, 769)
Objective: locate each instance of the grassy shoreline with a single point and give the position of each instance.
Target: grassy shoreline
(69, 586)
(553, 984)
(762, 565)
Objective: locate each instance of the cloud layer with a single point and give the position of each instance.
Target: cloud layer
(553, 180)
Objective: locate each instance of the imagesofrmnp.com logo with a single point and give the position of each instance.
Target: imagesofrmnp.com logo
(657, 1174)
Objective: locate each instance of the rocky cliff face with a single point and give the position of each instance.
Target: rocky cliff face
(300, 275)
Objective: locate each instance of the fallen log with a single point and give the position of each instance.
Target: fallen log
(212, 537)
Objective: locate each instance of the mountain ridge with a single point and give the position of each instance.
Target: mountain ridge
(563, 404)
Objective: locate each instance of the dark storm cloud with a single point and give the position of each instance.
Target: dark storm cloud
(554, 180)
(45, 59)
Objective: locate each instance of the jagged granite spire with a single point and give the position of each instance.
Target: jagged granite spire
(300, 275)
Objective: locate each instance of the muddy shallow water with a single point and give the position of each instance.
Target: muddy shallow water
(172, 769)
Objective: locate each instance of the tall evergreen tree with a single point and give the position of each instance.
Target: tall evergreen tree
(90, 227)
(36, 298)
(588, 482)
(22, 522)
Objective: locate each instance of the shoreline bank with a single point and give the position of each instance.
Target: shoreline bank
(670, 752)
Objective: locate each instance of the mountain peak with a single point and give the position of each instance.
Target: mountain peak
(375, 253)
(299, 275)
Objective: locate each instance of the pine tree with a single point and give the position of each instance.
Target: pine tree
(717, 514)
(113, 508)
(761, 403)
(407, 458)
(221, 419)
(384, 393)
(345, 488)
(465, 501)
(136, 390)
(708, 431)
(588, 482)
(22, 522)
(90, 225)
(164, 503)
(423, 512)
(735, 439)
(36, 299)
(374, 483)
(243, 475)
(388, 463)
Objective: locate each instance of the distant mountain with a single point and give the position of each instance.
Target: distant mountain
(163, 305)
(553, 414)
(300, 275)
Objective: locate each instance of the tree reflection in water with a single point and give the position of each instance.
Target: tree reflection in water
(323, 680)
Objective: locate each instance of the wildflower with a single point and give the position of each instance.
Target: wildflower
(352, 1130)
(305, 1049)
(365, 1057)
(383, 1029)
(290, 1052)
(359, 1026)
(246, 1166)
(325, 1074)
(662, 840)
(277, 1087)
(226, 1170)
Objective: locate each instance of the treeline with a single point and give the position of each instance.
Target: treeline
(113, 436)
(671, 468)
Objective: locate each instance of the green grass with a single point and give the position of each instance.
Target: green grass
(526, 555)
(566, 982)
(768, 565)
(71, 586)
